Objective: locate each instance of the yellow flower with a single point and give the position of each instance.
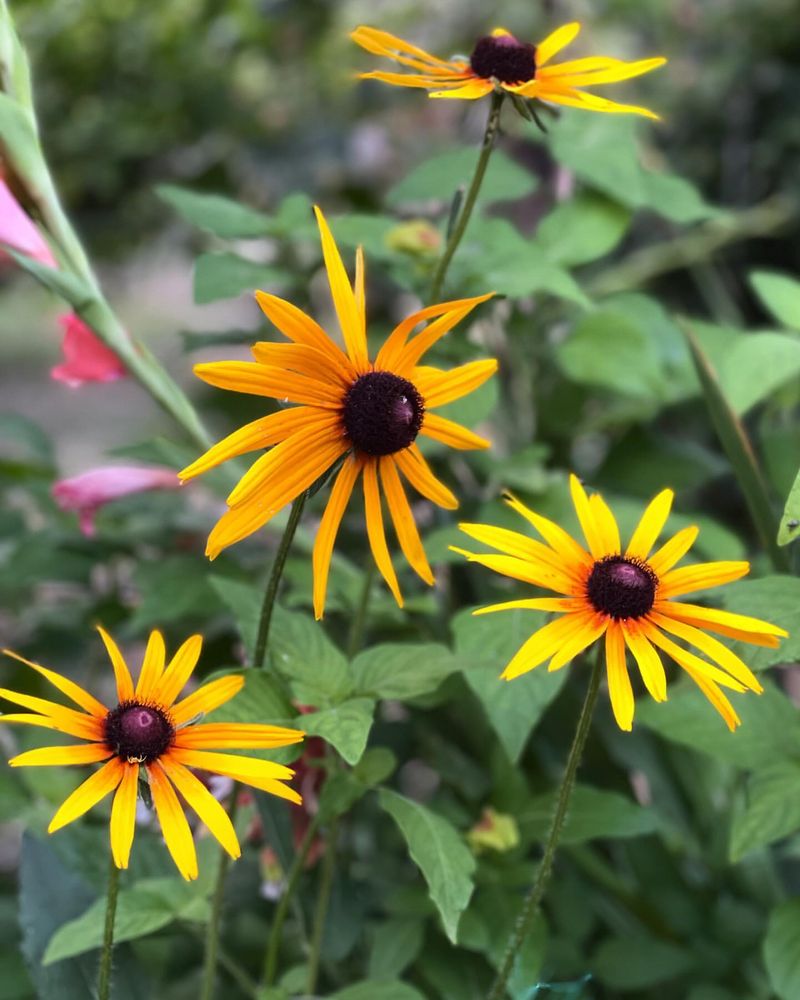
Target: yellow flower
(501, 61)
(370, 411)
(148, 729)
(626, 597)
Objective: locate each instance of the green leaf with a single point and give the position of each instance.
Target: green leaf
(346, 726)
(397, 670)
(593, 814)
(437, 179)
(244, 603)
(755, 366)
(215, 213)
(582, 229)
(343, 789)
(772, 811)
(782, 949)
(484, 645)
(780, 294)
(376, 989)
(396, 944)
(367, 231)
(636, 962)
(226, 275)
(775, 599)
(171, 589)
(789, 528)
(147, 907)
(770, 729)
(67, 286)
(440, 853)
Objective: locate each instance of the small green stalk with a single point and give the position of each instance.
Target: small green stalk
(104, 974)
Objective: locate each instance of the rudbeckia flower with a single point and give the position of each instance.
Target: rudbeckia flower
(370, 411)
(500, 60)
(150, 735)
(626, 597)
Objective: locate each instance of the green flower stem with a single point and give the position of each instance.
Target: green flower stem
(212, 949)
(323, 901)
(104, 974)
(471, 196)
(292, 880)
(275, 578)
(536, 893)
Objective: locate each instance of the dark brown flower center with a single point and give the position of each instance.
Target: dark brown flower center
(382, 413)
(504, 58)
(621, 588)
(138, 732)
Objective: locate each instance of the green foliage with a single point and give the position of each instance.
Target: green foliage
(225, 275)
(780, 295)
(593, 813)
(771, 812)
(439, 178)
(782, 949)
(214, 213)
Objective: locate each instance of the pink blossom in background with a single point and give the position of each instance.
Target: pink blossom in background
(18, 231)
(90, 490)
(86, 358)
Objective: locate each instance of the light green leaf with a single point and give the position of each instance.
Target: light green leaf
(67, 286)
(215, 213)
(770, 729)
(346, 726)
(582, 229)
(397, 670)
(637, 962)
(484, 645)
(261, 699)
(772, 811)
(439, 851)
(226, 275)
(244, 603)
(376, 989)
(780, 294)
(782, 949)
(755, 366)
(789, 528)
(593, 814)
(438, 178)
(775, 599)
(368, 231)
(143, 909)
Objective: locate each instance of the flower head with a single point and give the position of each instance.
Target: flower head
(626, 597)
(91, 490)
(151, 735)
(370, 411)
(86, 357)
(18, 231)
(501, 61)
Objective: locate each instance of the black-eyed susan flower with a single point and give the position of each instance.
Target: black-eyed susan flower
(370, 411)
(150, 735)
(626, 597)
(499, 60)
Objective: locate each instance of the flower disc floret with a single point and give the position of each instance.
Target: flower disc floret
(622, 588)
(504, 58)
(138, 733)
(382, 413)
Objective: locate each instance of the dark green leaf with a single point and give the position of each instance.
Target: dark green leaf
(775, 599)
(772, 810)
(638, 962)
(782, 949)
(397, 670)
(374, 989)
(226, 275)
(593, 814)
(395, 945)
(346, 726)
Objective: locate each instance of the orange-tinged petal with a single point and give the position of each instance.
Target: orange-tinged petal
(42, 721)
(178, 671)
(426, 81)
(586, 516)
(674, 550)
(589, 102)
(222, 763)
(305, 360)
(647, 659)
(229, 735)
(155, 656)
(610, 74)
(523, 569)
(688, 660)
(174, 826)
(445, 387)
(619, 683)
(277, 383)
(545, 642)
(88, 794)
(344, 300)
(375, 532)
(123, 816)
(403, 519)
(451, 433)
(302, 329)
(712, 648)
(204, 804)
(206, 698)
(66, 686)
(473, 90)
(555, 42)
(727, 623)
(553, 534)
(382, 43)
(360, 291)
(716, 697)
(701, 576)
(66, 720)
(121, 672)
(412, 464)
(576, 645)
(650, 525)
(329, 527)
(535, 604)
(85, 753)
(410, 354)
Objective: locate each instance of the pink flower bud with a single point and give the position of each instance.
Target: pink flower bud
(86, 358)
(90, 490)
(18, 231)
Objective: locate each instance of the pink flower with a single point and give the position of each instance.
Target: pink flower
(89, 491)
(86, 359)
(18, 231)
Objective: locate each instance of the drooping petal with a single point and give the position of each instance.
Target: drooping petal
(470, 91)
(556, 41)
(717, 698)
(589, 102)
(155, 656)
(344, 300)
(650, 526)
(375, 532)
(66, 686)
(206, 698)
(85, 753)
(445, 387)
(123, 816)
(382, 43)
(577, 643)
(545, 642)
(403, 519)
(619, 683)
(221, 763)
(425, 81)
(727, 623)
(174, 826)
(88, 794)
(649, 662)
(178, 671)
(329, 527)
(121, 672)
(451, 433)
(686, 659)
(701, 576)
(415, 468)
(204, 804)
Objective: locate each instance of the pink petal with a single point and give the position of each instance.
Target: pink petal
(86, 359)
(89, 491)
(18, 231)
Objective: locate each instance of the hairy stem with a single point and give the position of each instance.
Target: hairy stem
(104, 974)
(323, 901)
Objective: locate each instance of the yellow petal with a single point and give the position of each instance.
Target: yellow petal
(305, 360)
(152, 667)
(512, 543)
(589, 102)
(619, 683)
(606, 524)
(650, 526)
(179, 670)
(204, 804)
(173, 823)
(89, 753)
(610, 74)
(344, 300)
(329, 527)
(65, 685)
(66, 720)
(471, 91)
(674, 550)
(586, 516)
(649, 662)
(388, 358)
(712, 647)
(553, 534)
(88, 794)
(413, 351)
(555, 42)
(700, 577)
(716, 697)
(302, 329)
(229, 735)
(277, 383)
(222, 763)
(735, 626)
(415, 468)
(451, 433)
(382, 43)
(403, 519)
(375, 533)
(123, 816)
(688, 660)
(545, 642)
(575, 646)
(445, 387)
(535, 604)
(206, 698)
(121, 672)
(523, 569)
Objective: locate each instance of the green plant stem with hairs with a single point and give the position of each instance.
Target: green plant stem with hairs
(462, 220)
(536, 892)
(104, 974)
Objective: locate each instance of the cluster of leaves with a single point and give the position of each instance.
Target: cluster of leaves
(680, 837)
